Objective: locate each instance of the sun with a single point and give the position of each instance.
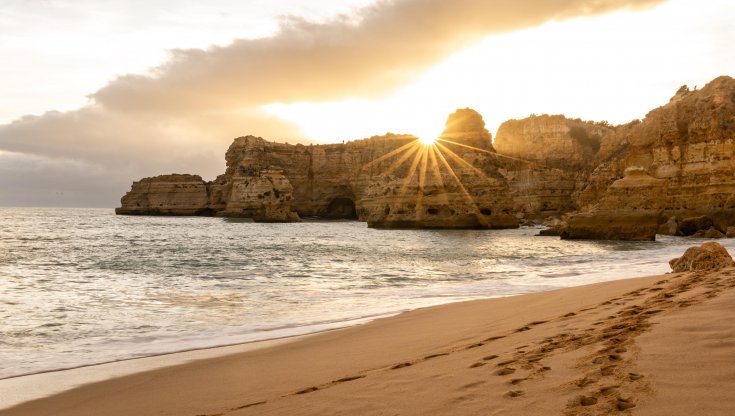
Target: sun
(428, 140)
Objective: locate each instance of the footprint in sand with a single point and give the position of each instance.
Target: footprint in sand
(429, 357)
(585, 382)
(245, 406)
(307, 390)
(514, 393)
(494, 338)
(490, 357)
(472, 385)
(351, 378)
(587, 400)
(625, 404)
(635, 376)
(505, 371)
(608, 390)
(401, 365)
(608, 370)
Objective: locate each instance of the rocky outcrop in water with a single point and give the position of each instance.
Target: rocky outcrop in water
(167, 195)
(265, 196)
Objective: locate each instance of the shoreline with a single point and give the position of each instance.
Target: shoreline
(433, 348)
(19, 389)
(22, 388)
(312, 329)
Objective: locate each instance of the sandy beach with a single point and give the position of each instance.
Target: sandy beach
(659, 345)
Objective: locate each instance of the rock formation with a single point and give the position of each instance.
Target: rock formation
(390, 181)
(466, 127)
(682, 183)
(629, 210)
(709, 256)
(547, 160)
(265, 196)
(689, 143)
(454, 183)
(167, 195)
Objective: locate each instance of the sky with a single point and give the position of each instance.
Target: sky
(97, 93)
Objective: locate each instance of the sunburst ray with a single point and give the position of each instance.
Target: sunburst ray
(400, 161)
(469, 165)
(486, 151)
(466, 194)
(438, 175)
(409, 176)
(422, 183)
(392, 153)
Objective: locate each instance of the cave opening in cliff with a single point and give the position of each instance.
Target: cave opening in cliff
(340, 209)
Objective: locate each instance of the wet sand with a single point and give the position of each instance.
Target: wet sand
(660, 345)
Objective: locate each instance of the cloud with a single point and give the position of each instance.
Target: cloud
(188, 109)
(365, 55)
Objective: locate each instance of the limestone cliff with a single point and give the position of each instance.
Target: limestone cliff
(167, 195)
(389, 181)
(544, 165)
(466, 127)
(547, 160)
(689, 143)
(629, 210)
(327, 180)
(454, 183)
(264, 196)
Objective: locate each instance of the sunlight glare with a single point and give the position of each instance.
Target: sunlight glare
(428, 140)
(501, 79)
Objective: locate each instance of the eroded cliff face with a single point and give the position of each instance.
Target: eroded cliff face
(544, 165)
(689, 143)
(264, 196)
(327, 180)
(547, 160)
(391, 181)
(167, 195)
(455, 183)
(629, 210)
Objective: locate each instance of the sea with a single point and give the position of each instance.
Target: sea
(84, 286)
